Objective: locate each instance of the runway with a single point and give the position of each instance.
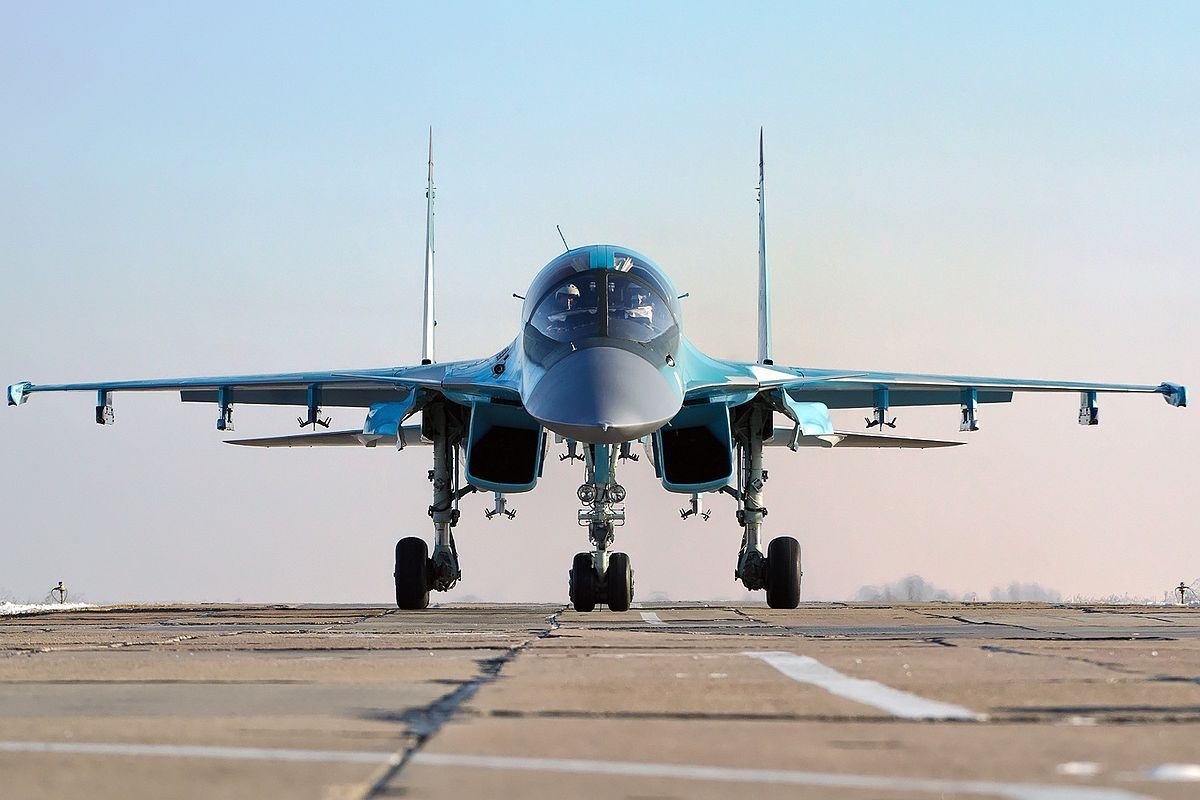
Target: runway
(1029, 702)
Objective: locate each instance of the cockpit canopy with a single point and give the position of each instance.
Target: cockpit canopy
(601, 291)
(576, 309)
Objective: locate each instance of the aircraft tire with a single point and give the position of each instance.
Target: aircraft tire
(619, 582)
(412, 574)
(583, 583)
(783, 573)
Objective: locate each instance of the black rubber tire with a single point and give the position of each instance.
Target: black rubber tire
(783, 573)
(618, 582)
(412, 574)
(583, 583)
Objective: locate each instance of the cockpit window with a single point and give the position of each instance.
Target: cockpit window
(577, 309)
(635, 312)
(571, 311)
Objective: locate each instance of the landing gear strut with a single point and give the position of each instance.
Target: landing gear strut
(601, 576)
(417, 573)
(778, 571)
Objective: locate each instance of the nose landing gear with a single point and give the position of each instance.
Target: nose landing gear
(589, 587)
(582, 582)
(601, 576)
(618, 583)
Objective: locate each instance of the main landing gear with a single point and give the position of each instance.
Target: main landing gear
(601, 576)
(417, 573)
(778, 571)
(412, 573)
(598, 577)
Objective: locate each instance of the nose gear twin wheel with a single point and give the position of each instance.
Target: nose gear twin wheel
(412, 573)
(583, 583)
(614, 588)
(618, 582)
(783, 573)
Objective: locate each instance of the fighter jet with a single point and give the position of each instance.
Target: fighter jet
(601, 362)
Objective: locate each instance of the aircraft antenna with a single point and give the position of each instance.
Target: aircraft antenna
(428, 321)
(560, 235)
(764, 283)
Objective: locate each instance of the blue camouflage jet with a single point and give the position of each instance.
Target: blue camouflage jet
(601, 362)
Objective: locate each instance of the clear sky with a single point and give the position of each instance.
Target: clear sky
(1007, 190)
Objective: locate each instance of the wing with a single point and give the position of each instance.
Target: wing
(289, 388)
(806, 394)
(715, 380)
(361, 388)
(918, 389)
(859, 388)
(795, 388)
(851, 380)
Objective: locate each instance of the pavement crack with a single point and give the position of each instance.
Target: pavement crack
(424, 723)
(1174, 679)
(762, 623)
(1095, 662)
(1125, 613)
(968, 621)
(744, 615)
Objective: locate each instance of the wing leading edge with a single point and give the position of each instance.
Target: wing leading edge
(409, 377)
(881, 390)
(358, 388)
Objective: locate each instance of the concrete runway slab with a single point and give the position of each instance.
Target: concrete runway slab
(1032, 702)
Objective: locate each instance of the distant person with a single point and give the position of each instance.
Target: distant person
(62, 592)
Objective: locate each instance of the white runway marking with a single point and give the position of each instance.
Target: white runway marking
(651, 618)
(194, 751)
(875, 783)
(1175, 772)
(1008, 791)
(885, 698)
(1079, 769)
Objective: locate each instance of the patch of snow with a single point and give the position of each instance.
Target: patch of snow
(8, 609)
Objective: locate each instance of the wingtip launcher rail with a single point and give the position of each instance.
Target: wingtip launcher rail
(18, 393)
(1174, 394)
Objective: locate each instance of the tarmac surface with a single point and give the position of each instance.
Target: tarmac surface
(1025, 702)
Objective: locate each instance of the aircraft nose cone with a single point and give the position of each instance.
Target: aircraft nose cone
(603, 395)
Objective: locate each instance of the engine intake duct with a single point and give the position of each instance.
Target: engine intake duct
(694, 451)
(504, 449)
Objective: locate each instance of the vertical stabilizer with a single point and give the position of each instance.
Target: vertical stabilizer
(428, 321)
(764, 282)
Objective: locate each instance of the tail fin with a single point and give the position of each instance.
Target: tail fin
(428, 321)
(764, 282)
